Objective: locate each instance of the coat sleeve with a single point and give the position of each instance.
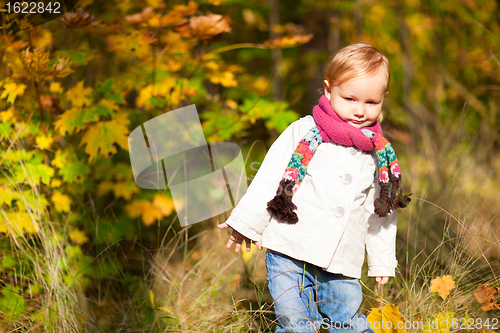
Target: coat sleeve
(250, 216)
(380, 238)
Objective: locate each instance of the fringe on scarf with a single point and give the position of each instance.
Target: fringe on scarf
(282, 205)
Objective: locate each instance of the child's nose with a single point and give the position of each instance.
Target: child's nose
(359, 110)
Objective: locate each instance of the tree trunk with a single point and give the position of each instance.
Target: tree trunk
(274, 19)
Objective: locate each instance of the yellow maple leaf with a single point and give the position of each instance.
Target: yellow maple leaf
(55, 88)
(44, 142)
(212, 65)
(104, 187)
(61, 202)
(135, 208)
(154, 22)
(155, 3)
(248, 256)
(99, 137)
(110, 104)
(149, 216)
(164, 204)
(41, 37)
(55, 183)
(125, 190)
(167, 87)
(12, 90)
(225, 78)
(261, 84)
(15, 223)
(78, 95)
(6, 196)
(120, 189)
(136, 44)
(61, 158)
(442, 285)
(148, 212)
(78, 236)
(387, 320)
(7, 115)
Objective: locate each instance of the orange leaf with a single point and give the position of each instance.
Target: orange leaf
(287, 41)
(486, 295)
(209, 26)
(141, 17)
(178, 13)
(442, 285)
(79, 19)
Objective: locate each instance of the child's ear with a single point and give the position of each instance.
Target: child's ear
(386, 93)
(326, 87)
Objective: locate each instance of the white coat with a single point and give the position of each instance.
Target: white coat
(334, 207)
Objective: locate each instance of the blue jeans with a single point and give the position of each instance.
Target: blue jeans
(307, 298)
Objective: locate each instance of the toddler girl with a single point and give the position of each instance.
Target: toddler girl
(345, 182)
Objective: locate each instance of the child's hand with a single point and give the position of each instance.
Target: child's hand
(382, 280)
(239, 239)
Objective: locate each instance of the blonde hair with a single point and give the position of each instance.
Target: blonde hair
(356, 60)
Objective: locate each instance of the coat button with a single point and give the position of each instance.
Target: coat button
(347, 179)
(338, 212)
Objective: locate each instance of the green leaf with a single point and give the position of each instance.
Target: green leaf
(7, 262)
(282, 120)
(43, 172)
(106, 88)
(5, 129)
(102, 110)
(70, 167)
(12, 304)
(74, 172)
(80, 57)
(154, 101)
(6, 196)
(34, 171)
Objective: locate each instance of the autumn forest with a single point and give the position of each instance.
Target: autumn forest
(84, 249)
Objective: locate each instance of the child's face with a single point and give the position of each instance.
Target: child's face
(358, 101)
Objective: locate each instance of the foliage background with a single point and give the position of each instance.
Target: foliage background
(84, 249)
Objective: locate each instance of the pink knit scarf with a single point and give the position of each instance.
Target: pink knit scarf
(333, 128)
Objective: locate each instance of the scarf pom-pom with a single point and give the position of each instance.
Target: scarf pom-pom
(381, 208)
(402, 201)
(282, 205)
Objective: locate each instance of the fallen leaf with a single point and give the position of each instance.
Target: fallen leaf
(442, 285)
(386, 320)
(486, 295)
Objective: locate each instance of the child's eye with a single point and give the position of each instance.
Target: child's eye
(372, 102)
(349, 99)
